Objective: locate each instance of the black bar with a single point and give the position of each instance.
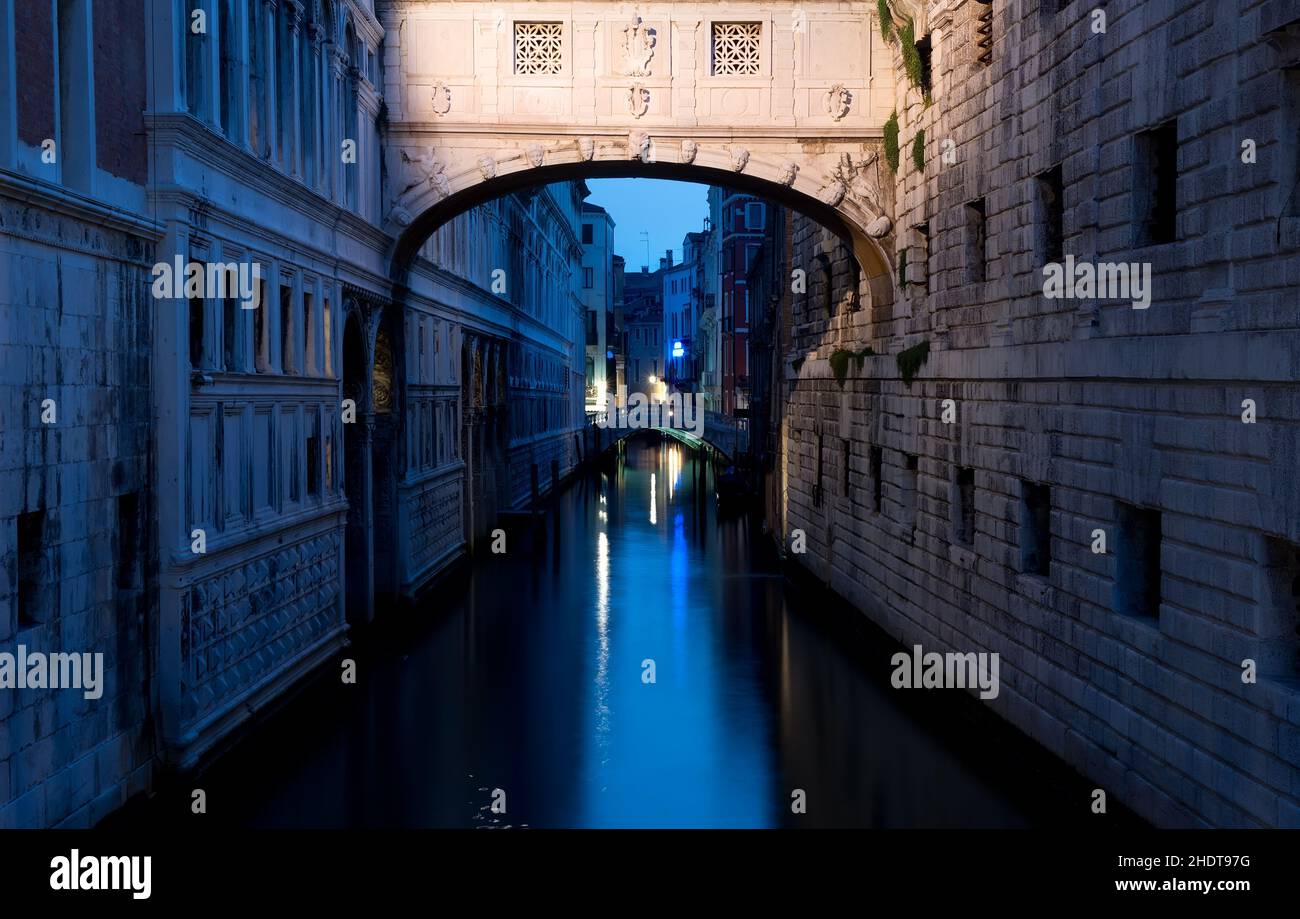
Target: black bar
(996, 868)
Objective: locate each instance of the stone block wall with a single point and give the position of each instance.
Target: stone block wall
(1085, 415)
(77, 558)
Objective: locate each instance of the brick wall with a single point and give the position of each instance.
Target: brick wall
(34, 71)
(120, 89)
(1117, 410)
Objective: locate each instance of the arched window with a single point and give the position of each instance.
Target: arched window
(382, 382)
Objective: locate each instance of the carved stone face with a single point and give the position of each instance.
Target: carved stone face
(788, 172)
(487, 166)
(879, 227)
(739, 159)
(586, 147)
(638, 145)
(689, 149)
(535, 153)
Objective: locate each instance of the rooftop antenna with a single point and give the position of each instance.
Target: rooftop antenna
(645, 234)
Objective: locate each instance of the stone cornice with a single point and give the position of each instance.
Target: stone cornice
(190, 135)
(440, 277)
(701, 133)
(366, 24)
(60, 199)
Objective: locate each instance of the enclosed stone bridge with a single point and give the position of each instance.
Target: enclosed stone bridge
(719, 435)
(787, 101)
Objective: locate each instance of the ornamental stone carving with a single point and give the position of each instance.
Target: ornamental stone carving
(487, 166)
(639, 42)
(638, 100)
(838, 101)
(420, 172)
(855, 178)
(638, 146)
(832, 194)
(536, 154)
(879, 227)
(739, 159)
(441, 98)
(689, 149)
(788, 172)
(586, 148)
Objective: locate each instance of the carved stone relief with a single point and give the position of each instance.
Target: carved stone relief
(639, 42)
(441, 98)
(638, 100)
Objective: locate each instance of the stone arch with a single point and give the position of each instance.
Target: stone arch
(846, 190)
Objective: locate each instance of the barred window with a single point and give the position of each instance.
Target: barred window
(736, 47)
(538, 47)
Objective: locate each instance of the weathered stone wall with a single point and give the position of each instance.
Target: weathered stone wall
(77, 557)
(1124, 413)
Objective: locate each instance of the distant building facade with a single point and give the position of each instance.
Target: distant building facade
(741, 229)
(597, 292)
(643, 331)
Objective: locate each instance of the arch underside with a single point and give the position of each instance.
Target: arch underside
(846, 198)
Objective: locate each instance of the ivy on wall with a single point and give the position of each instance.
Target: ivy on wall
(840, 362)
(910, 361)
(891, 141)
(886, 20)
(918, 151)
(911, 57)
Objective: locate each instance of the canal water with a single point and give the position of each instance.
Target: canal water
(531, 674)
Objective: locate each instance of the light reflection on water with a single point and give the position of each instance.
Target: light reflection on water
(529, 679)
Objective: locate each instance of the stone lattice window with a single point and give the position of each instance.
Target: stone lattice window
(736, 47)
(539, 47)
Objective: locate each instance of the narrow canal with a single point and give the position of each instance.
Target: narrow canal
(530, 674)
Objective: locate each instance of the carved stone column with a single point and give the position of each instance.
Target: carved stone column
(271, 81)
(294, 96)
(584, 71)
(367, 566)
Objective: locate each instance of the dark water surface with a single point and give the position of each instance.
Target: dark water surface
(526, 675)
